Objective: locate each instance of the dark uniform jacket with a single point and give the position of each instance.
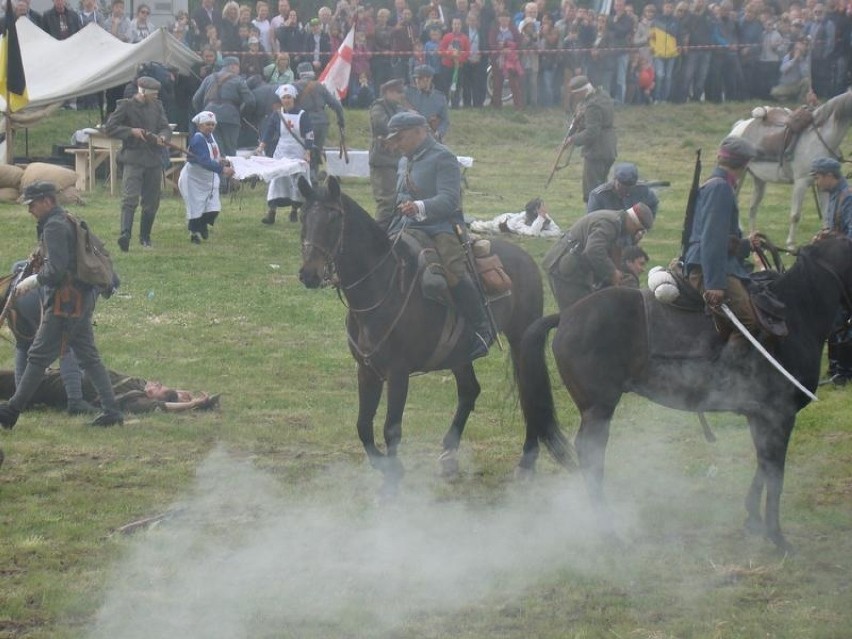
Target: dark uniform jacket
(381, 111)
(606, 197)
(597, 135)
(136, 114)
(432, 175)
(716, 244)
(314, 97)
(594, 239)
(225, 94)
(58, 243)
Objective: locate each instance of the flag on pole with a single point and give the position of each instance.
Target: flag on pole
(13, 83)
(335, 76)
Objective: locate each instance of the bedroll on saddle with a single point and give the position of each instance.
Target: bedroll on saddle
(94, 264)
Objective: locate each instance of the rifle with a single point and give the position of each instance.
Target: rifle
(565, 144)
(29, 268)
(467, 245)
(689, 216)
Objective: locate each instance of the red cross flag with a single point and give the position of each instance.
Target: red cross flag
(335, 76)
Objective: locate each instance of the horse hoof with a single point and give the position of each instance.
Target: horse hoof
(754, 526)
(784, 547)
(388, 492)
(449, 461)
(523, 474)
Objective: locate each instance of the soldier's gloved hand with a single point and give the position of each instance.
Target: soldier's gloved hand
(714, 297)
(27, 284)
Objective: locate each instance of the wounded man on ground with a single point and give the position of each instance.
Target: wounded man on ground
(133, 394)
(534, 220)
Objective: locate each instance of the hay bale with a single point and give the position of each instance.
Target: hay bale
(70, 195)
(9, 194)
(61, 176)
(10, 176)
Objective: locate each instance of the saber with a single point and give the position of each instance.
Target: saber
(751, 338)
(466, 243)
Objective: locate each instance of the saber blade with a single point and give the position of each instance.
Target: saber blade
(753, 340)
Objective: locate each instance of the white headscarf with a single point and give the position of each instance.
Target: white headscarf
(286, 89)
(204, 117)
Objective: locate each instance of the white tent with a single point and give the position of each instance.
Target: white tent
(89, 61)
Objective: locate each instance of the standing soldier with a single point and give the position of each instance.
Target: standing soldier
(429, 200)
(313, 98)
(429, 102)
(837, 221)
(593, 121)
(384, 161)
(141, 124)
(226, 95)
(67, 309)
(586, 257)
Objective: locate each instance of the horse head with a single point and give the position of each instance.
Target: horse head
(322, 222)
(332, 224)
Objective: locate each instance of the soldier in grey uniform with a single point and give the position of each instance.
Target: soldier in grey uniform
(313, 98)
(593, 120)
(141, 124)
(67, 307)
(622, 191)
(226, 94)
(428, 101)
(585, 257)
(429, 200)
(383, 161)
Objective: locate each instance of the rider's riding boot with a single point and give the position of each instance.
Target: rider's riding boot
(470, 306)
(269, 218)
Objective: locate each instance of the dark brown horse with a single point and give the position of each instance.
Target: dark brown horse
(393, 329)
(611, 343)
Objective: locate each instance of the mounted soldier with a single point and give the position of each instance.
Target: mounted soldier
(429, 200)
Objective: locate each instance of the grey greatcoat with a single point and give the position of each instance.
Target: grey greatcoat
(432, 105)
(142, 161)
(227, 95)
(594, 118)
(383, 162)
(67, 309)
(313, 98)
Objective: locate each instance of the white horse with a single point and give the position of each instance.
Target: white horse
(822, 138)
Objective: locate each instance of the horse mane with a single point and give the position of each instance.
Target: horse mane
(364, 229)
(838, 105)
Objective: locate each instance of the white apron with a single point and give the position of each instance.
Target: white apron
(200, 187)
(287, 187)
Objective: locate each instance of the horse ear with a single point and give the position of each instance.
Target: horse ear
(333, 185)
(305, 188)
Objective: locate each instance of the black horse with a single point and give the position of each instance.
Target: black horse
(612, 343)
(393, 329)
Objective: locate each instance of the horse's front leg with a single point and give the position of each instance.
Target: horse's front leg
(800, 186)
(771, 436)
(754, 522)
(397, 395)
(467, 390)
(369, 394)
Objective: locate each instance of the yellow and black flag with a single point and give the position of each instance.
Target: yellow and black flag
(13, 83)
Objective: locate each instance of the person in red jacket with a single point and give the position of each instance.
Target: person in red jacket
(454, 51)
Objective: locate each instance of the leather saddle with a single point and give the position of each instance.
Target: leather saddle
(776, 131)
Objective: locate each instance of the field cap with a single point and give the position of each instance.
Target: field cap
(147, 84)
(423, 70)
(39, 189)
(404, 121)
(825, 166)
(626, 173)
(579, 83)
(737, 152)
(392, 85)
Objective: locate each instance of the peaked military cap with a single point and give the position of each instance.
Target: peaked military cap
(825, 166)
(737, 152)
(578, 83)
(39, 189)
(404, 121)
(626, 173)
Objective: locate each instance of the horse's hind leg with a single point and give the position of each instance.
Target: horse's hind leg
(467, 389)
(800, 186)
(759, 189)
(590, 444)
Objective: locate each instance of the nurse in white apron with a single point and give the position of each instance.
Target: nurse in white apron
(199, 178)
(288, 133)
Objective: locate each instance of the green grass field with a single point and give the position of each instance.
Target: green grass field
(271, 527)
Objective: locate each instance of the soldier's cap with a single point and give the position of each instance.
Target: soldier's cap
(825, 166)
(423, 70)
(305, 70)
(626, 173)
(736, 152)
(392, 85)
(287, 90)
(39, 189)
(404, 121)
(228, 61)
(642, 213)
(147, 84)
(579, 83)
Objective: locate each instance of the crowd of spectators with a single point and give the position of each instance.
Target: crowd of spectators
(657, 51)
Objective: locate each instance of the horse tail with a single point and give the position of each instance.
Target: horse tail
(537, 395)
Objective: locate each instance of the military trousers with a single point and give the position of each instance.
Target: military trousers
(570, 280)
(736, 297)
(143, 183)
(226, 136)
(595, 173)
(383, 181)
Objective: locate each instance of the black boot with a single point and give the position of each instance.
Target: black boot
(124, 242)
(108, 418)
(294, 213)
(8, 415)
(270, 216)
(469, 304)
